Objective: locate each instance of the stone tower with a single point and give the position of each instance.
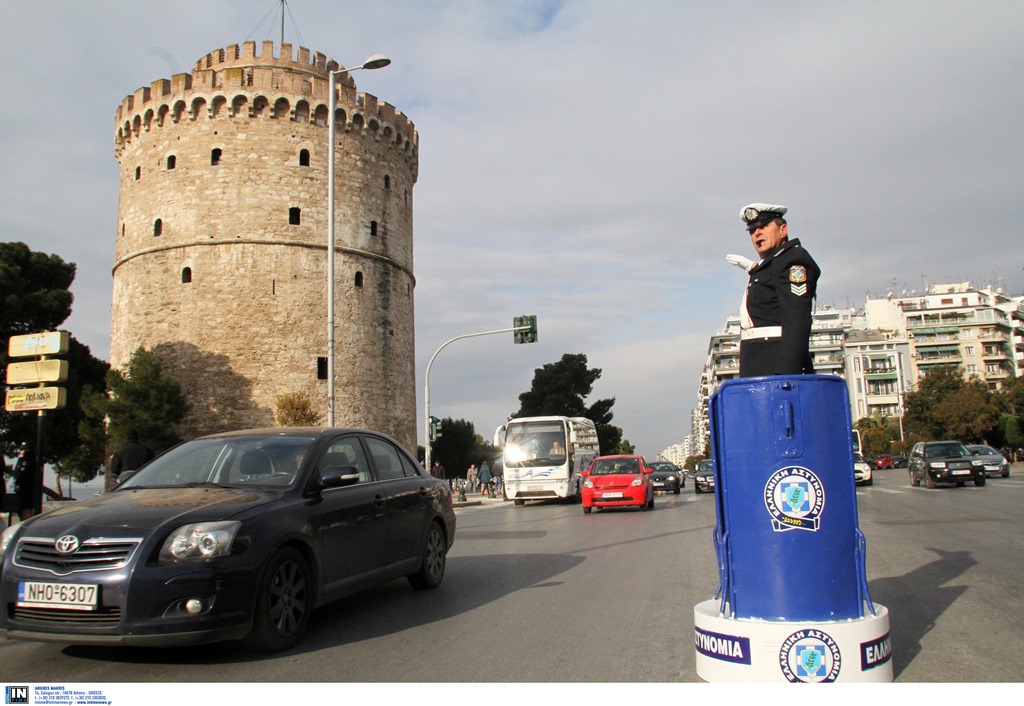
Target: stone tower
(221, 259)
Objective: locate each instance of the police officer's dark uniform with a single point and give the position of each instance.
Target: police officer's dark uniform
(130, 457)
(777, 306)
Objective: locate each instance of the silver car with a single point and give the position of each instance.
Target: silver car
(995, 463)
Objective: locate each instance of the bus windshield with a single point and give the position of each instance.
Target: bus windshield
(535, 444)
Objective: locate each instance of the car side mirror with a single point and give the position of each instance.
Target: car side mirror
(339, 476)
(584, 474)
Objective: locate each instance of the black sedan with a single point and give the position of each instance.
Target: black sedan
(667, 477)
(231, 536)
(704, 479)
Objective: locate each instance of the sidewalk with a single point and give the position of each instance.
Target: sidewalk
(473, 499)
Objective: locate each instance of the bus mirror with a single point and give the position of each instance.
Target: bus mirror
(499, 437)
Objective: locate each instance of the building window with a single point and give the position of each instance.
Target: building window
(294, 216)
(215, 156)
(186, 275)
(968, 350)
(387, 182)
(359, 279)
(138, 173)
(373, 227)
(172, 161)
(303, 158)
(158, 227)
(321, 368)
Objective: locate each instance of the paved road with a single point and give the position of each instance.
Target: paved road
(543, 593)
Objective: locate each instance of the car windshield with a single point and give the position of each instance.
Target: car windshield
(983, 451)
(858, 458)
(944, 450)
(611, 466)
(706, 467)
(252, 460)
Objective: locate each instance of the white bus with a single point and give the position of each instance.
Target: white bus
(543, 456)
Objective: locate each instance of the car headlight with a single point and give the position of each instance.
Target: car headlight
(937, 464)
(671, 478)
(7, 536)
(200, 541)
(639, 480)
(588, 483)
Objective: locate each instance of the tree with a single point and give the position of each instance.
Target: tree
(142, 398)
(296, 409)
(34, 298)
(945, 406)
(560, 389)
(919, 417)
(625, 447)
(459, 446)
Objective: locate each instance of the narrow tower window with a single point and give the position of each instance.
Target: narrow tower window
(321, 368)
(303, 158)
(171, 161)
(215, 156)
(359, 279)
(158, 227)
(373, 227)
(294, 216)
(186, 275)
(387, 182)
(138, 173)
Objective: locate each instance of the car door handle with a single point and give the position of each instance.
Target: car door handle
(379, 500)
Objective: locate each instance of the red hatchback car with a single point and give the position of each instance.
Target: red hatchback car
(617, 481)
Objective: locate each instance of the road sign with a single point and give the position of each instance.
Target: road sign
(50, 343)
(35, 371)
(28, 399)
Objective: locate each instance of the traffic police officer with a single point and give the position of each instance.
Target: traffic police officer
(775, 320)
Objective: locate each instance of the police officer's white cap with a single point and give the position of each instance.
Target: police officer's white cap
(759, 214)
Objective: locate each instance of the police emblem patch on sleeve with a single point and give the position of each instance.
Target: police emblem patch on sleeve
(798, 280)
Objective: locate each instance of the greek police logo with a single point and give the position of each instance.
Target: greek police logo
(795, 498)
(810, 656)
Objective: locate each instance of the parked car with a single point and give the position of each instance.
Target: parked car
(617, 481)
(882, 461)
(862, 473)
(899, 461)
(995, 463)
(704, 480)
(667, 476)
(238, 535)
(934, 462)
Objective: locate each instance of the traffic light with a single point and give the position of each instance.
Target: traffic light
(435, 428)
(525, 329)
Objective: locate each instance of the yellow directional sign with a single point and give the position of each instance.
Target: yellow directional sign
(50, 343)
(33, 398)
(33, 371)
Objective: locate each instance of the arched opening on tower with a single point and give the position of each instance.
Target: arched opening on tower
(172, 161)
(215, 155)
(303, 158)
(359, 280)
(186, 275)
(373, 227)
(158, 227)
(294, 216)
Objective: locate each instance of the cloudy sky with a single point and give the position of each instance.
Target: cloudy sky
(582, 160)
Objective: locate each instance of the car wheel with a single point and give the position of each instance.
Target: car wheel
(870, 481)
(913, 480)
(434, 555)
(518, 502)
(676, 491)
(929, 481)
(586, 510)
(283, 603)
(1006, 473)
(980, 481)
(650, 503)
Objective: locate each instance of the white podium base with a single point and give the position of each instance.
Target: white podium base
(744, 650)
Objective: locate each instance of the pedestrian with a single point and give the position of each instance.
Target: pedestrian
(129, 457)
(27, 483)
(485, 479)
(775, 317)
(437, 470)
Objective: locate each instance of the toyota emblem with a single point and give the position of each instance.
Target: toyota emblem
(67, 544)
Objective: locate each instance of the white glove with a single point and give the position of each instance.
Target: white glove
(741, 262)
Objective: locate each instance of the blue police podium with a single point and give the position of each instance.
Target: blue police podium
(792, 602)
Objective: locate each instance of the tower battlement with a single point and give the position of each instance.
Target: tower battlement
(281, 85)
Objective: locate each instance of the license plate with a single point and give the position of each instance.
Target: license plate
(658, 484)
(66, 596)
(611, 495)
(534, 487)
(991, 468)
(961, 473)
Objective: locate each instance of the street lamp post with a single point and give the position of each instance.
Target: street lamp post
(377, 61)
